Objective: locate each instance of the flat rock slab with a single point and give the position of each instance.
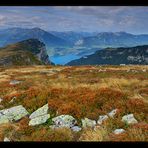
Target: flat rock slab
(39, 120)
(39, 112)
(64, 121)
(12, 114)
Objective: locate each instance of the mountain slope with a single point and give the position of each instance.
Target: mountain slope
(115, 56)
(14, 35)
(28, 52)
(117, 39)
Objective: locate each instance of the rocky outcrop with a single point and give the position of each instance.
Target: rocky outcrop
(129, 119)
(12, 114)
(39, 116)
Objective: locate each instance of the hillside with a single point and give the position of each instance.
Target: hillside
(28, 52)
(115, 56)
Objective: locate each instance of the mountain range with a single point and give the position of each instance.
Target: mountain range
(14, 35)
(115, 56)
(64, 47)
(110, 39)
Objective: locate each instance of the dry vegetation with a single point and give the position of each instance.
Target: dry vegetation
(87, 91)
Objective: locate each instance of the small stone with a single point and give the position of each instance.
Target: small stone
(76, 128)
(144, 70)
(6, 139)
(88, 123)
(39, 120)
(64, 121)
(129, 119)
(14, 82)
(112, 113)
(118, 131)
(102, 118)
(1, 100)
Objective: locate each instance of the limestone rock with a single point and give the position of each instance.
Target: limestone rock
(129, 119)
(118, 131)
(39, 120)
(88, 123)
(64, 121)
(112, 113)
(102, 118)
(41, 111)
(12, 114)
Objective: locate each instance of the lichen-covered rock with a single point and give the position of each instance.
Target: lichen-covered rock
(14, 82)
(88, 123)
(118, 131)
(64, 121)
(129, 119)
(112, 113)
(76, 128)
(39, 112)
(12, 114)
(102, 119)
(39, 120)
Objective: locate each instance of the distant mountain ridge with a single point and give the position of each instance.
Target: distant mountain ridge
(115, 56)
(114, 39)
(14, 35)
(28, 52)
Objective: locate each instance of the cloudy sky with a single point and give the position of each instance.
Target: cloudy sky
(131, 19)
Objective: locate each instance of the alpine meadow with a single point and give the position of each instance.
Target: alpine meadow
(74, 73)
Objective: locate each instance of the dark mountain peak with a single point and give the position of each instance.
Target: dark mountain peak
(115, 56)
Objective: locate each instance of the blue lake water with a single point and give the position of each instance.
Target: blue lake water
(62, 60)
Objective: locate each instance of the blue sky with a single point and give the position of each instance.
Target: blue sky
(131, 19)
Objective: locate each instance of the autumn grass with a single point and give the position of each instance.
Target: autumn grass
(81, 91)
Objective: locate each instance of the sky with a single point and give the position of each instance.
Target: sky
(132, 19)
